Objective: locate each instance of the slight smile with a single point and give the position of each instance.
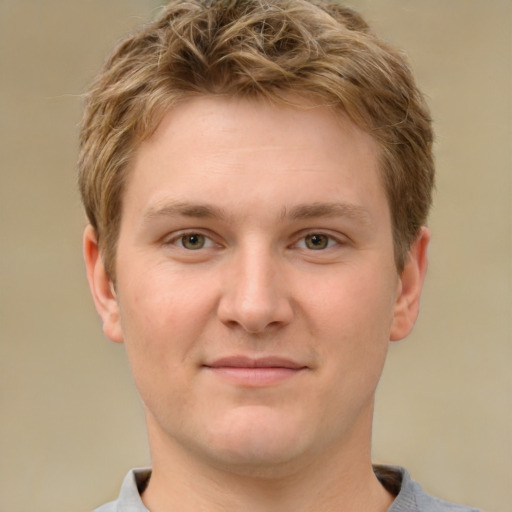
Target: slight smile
(259, 372)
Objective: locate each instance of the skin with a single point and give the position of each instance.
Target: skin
(253, 232)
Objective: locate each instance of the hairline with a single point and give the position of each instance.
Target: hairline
(291, 98)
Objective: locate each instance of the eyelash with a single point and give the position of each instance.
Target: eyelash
(180, 238)
(320, 236)
(302, 243)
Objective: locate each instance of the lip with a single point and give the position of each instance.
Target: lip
(255, 372)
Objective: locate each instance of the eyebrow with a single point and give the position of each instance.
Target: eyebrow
(318, 210)
(183, 209)
(299, 212)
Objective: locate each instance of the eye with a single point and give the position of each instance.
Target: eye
(193, 241)
(316, 242)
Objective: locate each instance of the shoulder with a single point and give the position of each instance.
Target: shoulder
(107, 507)
(428, 503)
(410, 497)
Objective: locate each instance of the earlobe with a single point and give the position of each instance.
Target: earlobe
(411, 283)
(101, 286)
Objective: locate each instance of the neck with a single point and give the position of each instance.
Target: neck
(337, 481)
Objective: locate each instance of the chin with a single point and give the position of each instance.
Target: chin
(257, 441)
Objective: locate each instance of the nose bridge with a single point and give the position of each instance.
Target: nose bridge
(255, 294)
(255, 284)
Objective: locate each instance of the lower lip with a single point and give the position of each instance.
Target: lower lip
(255, 377)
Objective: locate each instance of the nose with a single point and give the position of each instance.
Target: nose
(255, 296)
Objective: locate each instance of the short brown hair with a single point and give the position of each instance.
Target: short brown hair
(316, 49)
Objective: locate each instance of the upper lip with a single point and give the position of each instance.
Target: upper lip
(252, 362)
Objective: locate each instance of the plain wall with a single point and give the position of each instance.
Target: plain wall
(70, 421)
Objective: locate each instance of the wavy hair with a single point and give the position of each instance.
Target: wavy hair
(270, 49)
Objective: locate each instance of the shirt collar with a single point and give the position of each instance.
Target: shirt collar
(133, 485)
(393, 478)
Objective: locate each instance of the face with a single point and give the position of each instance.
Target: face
(256, 290)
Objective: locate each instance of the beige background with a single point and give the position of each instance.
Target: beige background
(70, 422)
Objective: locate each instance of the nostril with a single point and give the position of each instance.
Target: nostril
(255, 318)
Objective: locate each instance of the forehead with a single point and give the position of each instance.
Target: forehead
(240, 151)
(225, 120)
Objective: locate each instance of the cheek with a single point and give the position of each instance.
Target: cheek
(158, 343)
(357, 302)
(161, 302)
(355, 317)
(161, 322)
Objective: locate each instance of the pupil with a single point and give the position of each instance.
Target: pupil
(316, 241)
(193, 241)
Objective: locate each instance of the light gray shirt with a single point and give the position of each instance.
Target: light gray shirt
(410, 497)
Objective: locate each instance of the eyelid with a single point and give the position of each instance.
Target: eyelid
(174, 238)
(334, 239)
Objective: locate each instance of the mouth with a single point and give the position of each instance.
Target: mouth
(255, 372)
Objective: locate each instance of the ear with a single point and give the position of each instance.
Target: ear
(407, 304)
(102, 287)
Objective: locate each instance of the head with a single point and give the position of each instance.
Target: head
(257, 175)
(277, 51)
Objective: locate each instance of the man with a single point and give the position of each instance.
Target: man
(257, 175)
